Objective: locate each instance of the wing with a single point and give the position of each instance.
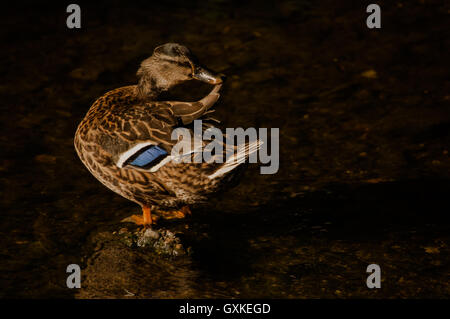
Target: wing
(190, 111)
(141, 135)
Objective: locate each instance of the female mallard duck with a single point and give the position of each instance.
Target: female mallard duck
(125, 138)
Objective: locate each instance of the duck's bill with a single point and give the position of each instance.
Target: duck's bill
(205, 75)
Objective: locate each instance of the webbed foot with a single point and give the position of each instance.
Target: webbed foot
(177, 214)
(145, 220)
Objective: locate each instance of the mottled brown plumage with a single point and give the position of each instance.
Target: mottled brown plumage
(125, 120)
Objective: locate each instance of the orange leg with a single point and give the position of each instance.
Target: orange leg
(147, 215)
(145, 220)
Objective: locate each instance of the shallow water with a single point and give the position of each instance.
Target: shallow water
(364, 157)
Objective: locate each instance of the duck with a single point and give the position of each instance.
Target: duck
(125, 139)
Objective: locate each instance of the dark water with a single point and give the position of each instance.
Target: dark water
(364, 140)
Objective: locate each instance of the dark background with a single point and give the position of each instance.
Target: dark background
(364, 140)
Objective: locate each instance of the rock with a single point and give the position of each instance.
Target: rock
(127, 239)
(161, 241)
(151, 233)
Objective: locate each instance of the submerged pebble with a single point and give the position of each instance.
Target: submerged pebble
(161, 241)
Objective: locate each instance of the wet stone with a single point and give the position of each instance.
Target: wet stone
(161, 241)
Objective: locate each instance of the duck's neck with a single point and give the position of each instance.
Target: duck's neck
(150, 86)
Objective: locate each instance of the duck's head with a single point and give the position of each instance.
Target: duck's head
(171, 64)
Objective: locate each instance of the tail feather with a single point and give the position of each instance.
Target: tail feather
(237, 159)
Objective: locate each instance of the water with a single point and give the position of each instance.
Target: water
(363, 171)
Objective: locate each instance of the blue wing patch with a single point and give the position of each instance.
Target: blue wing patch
(150, 155)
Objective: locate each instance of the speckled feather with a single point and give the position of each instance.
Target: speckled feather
(116, 122)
